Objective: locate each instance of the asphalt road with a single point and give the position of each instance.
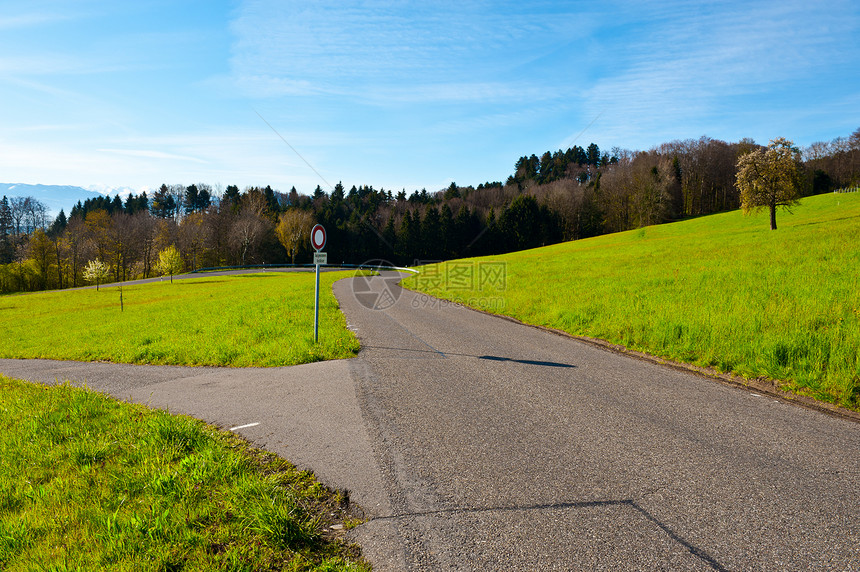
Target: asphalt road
(474, 443)
(503, 447)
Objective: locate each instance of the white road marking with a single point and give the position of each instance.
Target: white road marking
(243, 426)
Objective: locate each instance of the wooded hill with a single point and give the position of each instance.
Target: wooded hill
(559, 196)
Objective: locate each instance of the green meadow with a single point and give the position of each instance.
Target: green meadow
(90, 483)
(262, 319)
(722, 291)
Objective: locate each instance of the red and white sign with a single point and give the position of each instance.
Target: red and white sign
(318, 237)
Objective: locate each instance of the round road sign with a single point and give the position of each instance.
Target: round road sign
(318, 237)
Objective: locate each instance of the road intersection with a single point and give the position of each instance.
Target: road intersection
(476, 443)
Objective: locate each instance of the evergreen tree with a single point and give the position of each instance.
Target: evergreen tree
(520, 224)
(58, 226)
(77, 211)
(389, 237)
(545, 168)
(452, 192)
(431, 235)
(204, 197)
(449, 242)
(408, 245)
(232, 195)
(489, 240)
(593, 155)
(6, 226)
(337, 195)
(271, 200)
(131, 204)
(191, 198)
(464, 231)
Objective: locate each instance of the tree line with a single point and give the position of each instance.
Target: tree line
(559, 196)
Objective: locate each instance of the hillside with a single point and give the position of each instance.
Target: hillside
(720, 291)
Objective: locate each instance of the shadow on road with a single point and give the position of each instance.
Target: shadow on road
(691, 548)
(526, 361)
(485, 357)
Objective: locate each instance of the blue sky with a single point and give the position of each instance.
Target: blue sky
(402, 94)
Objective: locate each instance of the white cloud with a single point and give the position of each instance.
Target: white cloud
(148, 154)
(406, 52)
(694, 69)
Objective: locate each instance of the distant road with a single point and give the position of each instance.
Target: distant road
(475, 443)
(185, 276)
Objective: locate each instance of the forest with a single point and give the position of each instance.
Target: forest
(561, 195)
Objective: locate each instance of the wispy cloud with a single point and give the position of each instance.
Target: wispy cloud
(402, 92)
(149, 154)
(394, 51)
(699, 65)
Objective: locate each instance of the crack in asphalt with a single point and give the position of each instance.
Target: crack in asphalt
(691, 548)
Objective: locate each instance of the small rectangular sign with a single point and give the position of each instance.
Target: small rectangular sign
(320, 258)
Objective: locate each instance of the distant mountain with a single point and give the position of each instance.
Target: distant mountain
(121, 191)
(55, 197)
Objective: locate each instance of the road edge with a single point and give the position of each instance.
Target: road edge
(763, 384)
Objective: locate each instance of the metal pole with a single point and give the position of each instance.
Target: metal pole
(317, 306)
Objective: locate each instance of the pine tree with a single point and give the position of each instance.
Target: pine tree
(431, 235)
(59, 225)
(337, 195)
(5, 231)
(191, 198)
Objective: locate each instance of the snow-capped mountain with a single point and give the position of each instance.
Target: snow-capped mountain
(58, 197)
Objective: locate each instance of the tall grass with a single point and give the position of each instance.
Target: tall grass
(263, 319)
(721, 291)
(89, 483)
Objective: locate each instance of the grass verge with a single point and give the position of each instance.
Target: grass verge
(261, 319)
(89, 483)
(721, 291)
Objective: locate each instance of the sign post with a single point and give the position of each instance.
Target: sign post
(318, 242)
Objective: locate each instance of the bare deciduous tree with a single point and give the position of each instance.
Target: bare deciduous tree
(250, 225)
(18, 211)
(193, 237)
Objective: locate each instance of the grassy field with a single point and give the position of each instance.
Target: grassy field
(263, 319)
(89, 483)
(721, 291)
